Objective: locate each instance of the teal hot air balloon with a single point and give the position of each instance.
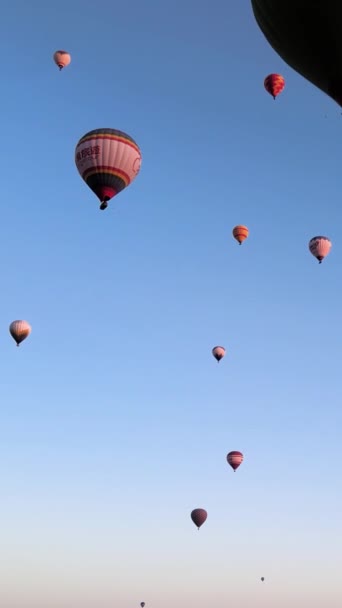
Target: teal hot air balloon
(108, 161)
(307, 34)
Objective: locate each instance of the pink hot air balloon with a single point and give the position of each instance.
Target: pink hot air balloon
(199, 516)
(19, 330)
(218, 352)
(320, 247)
(62, 59)
(108, 161)
(234, 459)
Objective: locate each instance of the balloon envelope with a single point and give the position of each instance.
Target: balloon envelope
(320, 247)
(108, 160)
(306, 34)
(240, 233)
(274, 84)
(199, 516)
(19, 330)
(61, 58)
(234, 458)
(218, 352)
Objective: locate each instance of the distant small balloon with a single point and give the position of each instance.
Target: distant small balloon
(234, 458)
(320, 247)
(218, 352)
(240, 233)
(262, 578)
(142, 604)
(62, 59)
(274, 84)
(199, 516)
(19, 330)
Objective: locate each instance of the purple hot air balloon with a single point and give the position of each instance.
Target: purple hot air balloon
(199, 516)
(234, 459)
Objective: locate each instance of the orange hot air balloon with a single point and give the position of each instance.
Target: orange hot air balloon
(320, 247)
(19, 330)
(234, 458)
(108, 161)
(199, 516)
(240, 233)
(274, 84)
(62, 59)
(218, 352)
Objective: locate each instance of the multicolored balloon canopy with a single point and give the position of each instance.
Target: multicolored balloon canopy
(274, 84)
(19, 330)
(108, 161)
(320, 247)
(235, 458)
(240, 233)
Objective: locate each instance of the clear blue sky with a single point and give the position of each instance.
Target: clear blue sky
(115, 418)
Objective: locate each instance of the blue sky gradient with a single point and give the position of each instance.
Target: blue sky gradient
(115, 418)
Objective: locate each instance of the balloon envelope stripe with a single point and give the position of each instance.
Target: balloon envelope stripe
(106, 171)
(123, 139)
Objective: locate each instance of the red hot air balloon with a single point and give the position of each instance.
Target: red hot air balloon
(235, 459)
(274, 84)
(240, 233)
(307, 36)
(19, 331)
(108, 160)
(62, 59)
(218, 352)
(320, 247)
(199, 516)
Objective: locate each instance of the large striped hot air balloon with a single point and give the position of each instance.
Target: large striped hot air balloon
(234, 458)
(108, 160)
(199, 516)
(274, 84)
(240, 233)
(19, 330)
(320, 247)
(306, 34)
(62, 59)
(218, 352)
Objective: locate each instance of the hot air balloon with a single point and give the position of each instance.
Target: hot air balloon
(262, 578)
(218, 352)
(240, 233)
(274, 84)
(108, 160)
(142, 604)
(307, 36)
(199, 516)
(320, 247)
(234, 459)
(19, 330)
(62, 59)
